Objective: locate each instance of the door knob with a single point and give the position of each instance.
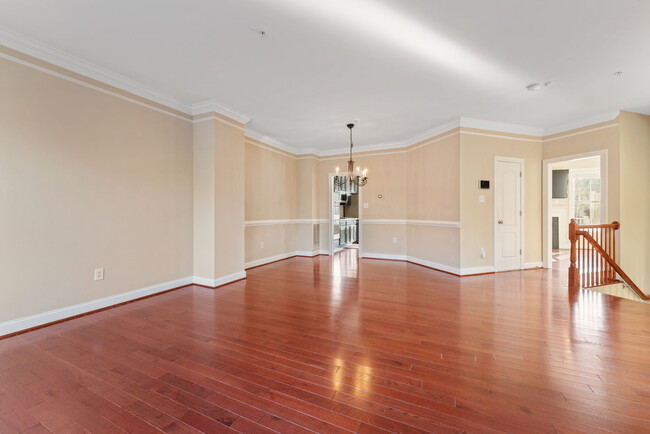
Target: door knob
(500, 222)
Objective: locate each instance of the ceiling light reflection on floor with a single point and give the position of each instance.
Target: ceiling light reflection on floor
(393, 26)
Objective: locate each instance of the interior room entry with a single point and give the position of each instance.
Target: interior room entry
(508, 214)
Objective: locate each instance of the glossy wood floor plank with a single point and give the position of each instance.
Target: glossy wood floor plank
(340, 345)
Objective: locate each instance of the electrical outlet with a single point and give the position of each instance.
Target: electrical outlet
(261, 244)
(481, 199)
(394, 240)
(483, 253)
(366, 205)
(99, 274)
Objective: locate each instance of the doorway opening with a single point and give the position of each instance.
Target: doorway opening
(345, 215)
(575, 187)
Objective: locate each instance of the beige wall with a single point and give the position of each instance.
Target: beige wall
(433, 194)
(204, 199)
(219, 243)
(271, 184)
(230, 199)
(273, 192)
(635, 197)
(87, 180)
(478, 150)
(605, 136)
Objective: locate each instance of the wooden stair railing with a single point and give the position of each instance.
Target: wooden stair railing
(593, 253)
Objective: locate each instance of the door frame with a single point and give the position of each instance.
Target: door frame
(522, 203)
(330, 217)
(547, 188)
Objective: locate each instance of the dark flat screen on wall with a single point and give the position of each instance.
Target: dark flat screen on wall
(560, 184)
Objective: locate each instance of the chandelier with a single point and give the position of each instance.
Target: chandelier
(356, 178)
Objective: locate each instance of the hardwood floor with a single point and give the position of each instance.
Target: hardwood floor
(330, 346)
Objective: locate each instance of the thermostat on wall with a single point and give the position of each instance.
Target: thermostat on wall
(484, 185)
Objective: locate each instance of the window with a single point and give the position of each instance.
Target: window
(586, 196)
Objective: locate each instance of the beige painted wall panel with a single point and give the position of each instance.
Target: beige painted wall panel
(433, 181)
(229, 200)
(635, 198)
(435, 244)
(477, 219)
(305, 237)
(87, 180)
(204, 181)
(271, 185)
(306, 188)
(379, 239)
(277, 239)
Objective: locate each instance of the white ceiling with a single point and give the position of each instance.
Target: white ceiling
(400, 67)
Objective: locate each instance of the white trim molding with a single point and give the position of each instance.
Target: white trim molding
(263, 261)
(436, 223)
(213, 283)
(216, 119)
(585, 122)
(252, 134)
(502, 127)
(51, 316)
(287, 255)
(590, 130)
(212, 106)
(49, 54)
(283, 222)
(46, 53)
(388, 256)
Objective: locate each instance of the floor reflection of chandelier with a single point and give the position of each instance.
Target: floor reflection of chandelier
(356, 178)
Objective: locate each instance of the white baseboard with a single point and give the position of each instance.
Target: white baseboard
(258, 262)
(437, 266)
(31, 321)
(307, 253)
(477, 270)
(442, 267)
(220, 281)
(310, 254)
(384, 256)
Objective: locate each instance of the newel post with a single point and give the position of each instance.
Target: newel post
(574, 272)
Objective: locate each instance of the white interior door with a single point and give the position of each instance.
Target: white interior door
(508, 214)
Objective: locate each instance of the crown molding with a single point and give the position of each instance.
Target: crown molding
(272, 142)
(363, 148)
(39, 50)
(501, 127)
(433, 132)
(49, 54)
(212, 106)
(585, 122)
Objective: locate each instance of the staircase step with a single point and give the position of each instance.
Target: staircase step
(619, 289)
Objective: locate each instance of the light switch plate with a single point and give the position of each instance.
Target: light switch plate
(481, 199)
